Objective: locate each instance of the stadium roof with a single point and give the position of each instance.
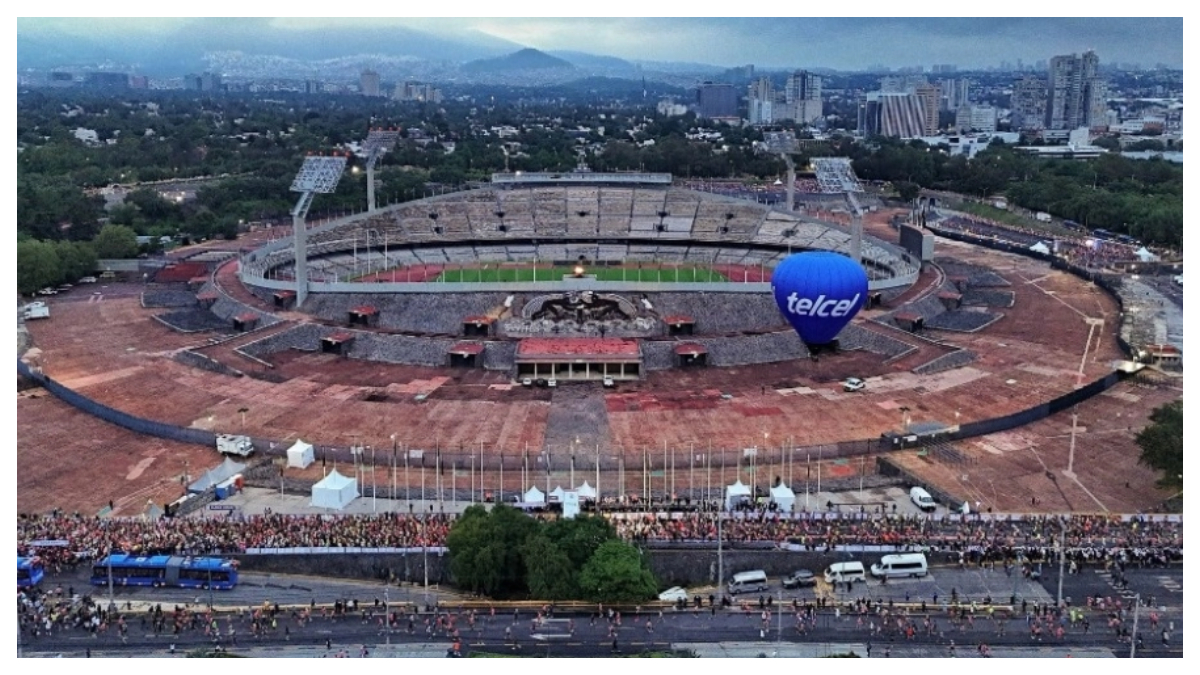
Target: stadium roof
(690, 349)
(338, 338)
(678, 319)
(364, 310)
(246, 317)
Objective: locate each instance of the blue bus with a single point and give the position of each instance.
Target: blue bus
(166, 570)
(30, 571)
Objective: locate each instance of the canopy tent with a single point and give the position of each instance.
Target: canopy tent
(556, 495)
(534, 496)
(300, 455)
(1145, 255)
(335, 491)
(735, 494)
(783, 497)
(1040, 247)
(586, 491)
(213, 477)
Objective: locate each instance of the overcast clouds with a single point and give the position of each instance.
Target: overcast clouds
(765, 42)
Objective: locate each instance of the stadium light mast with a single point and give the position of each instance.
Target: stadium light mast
(318, 175)
(783, 143)
(834, 175)
(377, 142)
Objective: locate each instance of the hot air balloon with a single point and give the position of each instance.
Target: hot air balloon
(818, 292)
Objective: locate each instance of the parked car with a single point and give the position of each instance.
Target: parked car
(673, 594)
(800, 579)
(853, 384)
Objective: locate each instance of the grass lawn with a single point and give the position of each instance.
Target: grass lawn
(669, 274)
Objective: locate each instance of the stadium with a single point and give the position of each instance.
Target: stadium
(616, 325)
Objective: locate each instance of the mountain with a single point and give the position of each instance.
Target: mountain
(593, 61)
(525, 59)
(186, 49)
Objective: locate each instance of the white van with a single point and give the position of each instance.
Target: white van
(901, 565)
(841, 572)
(922, 499)
(748, 582)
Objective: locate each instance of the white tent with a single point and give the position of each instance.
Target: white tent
(335, 491)
(211, 478)
(556, 495)
(1040, 247)
(783, 497)
(535, 496)
(735, 494)
(300, 455)
(586, 491)
(1145, 255)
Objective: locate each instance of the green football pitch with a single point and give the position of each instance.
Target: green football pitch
(509, 274)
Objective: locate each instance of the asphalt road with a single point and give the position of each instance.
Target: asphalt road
(726, 632)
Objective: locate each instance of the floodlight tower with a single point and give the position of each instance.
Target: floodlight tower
(783, 143)
(834, 175)
(318, 175)
(378, 141)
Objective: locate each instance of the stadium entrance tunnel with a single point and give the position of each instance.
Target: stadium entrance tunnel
(465, 354)
(338, 343)
(691, 354)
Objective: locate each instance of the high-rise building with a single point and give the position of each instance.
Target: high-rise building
(416, 91)
(931, 98)
(1029, 104)
(368, 83)
(716, 100)
(802, 97)
(975, 117)
(955, 93)
(891, 114)
(1074, 92)
(761, 99)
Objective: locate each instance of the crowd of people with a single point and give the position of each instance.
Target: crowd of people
(977, 539)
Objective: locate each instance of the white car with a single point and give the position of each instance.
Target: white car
(673, 594)
(853, 384)
(88, 280)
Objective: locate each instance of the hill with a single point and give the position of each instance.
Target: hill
(525, 59)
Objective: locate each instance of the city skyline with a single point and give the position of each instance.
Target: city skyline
(771, 43)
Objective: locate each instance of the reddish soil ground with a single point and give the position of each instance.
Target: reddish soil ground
(108, 347)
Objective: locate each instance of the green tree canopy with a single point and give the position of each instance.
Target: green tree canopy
(115, 241)
(486, 549)
(38, 265)
(1162, 444)
(617, 573)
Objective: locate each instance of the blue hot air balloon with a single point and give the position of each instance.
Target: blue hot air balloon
(818, 292)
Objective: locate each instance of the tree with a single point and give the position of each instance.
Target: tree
(907, 191)
(38, 265)
(115, 241)
(550, 573)
(617, 573)
(486, 550)
(1162, 444)
(579, 537)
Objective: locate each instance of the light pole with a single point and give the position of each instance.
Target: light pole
(1062, 550)
(393, 469)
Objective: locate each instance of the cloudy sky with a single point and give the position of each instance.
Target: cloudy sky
(766, 42)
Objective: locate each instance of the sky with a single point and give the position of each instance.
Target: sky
(841, 43)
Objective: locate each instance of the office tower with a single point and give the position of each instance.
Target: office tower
(369, 83)
(891, 114)
(1029, 104)
(716, 100)
(761, 98)
(802, 96)
(975, 117)
(1074, 92)
(930, 98)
